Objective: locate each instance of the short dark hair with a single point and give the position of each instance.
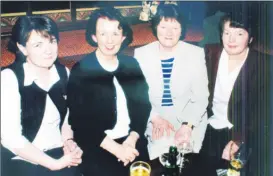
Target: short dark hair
(112, 14)
(169, 11)
(23, 27)
(240, 20)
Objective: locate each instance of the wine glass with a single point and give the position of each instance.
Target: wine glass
(237, 160)
(164, 159)
(240, 157)
(140, 168)
(184, 148)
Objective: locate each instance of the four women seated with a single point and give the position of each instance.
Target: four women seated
(116, 102)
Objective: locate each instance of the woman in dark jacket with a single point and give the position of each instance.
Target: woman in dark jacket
(108, 99)
(239, 103)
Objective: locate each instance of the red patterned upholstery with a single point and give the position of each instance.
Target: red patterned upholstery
(73, 44)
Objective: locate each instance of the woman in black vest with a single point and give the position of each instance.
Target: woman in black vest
(108, 99)
(33, 105)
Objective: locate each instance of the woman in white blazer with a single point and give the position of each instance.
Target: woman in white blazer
(178, 85)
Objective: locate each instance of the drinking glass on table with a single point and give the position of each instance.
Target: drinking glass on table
(184, 148)
(140, 168)
(238, 160)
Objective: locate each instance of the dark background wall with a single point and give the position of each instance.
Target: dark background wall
(23, 6)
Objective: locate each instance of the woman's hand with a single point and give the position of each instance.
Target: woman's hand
(159, 126)
(126, 153)
(183, 135)
(131, 140)
(230, 150)
(69, 146)
(70, 159)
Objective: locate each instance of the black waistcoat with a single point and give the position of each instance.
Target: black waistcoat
(33, 100)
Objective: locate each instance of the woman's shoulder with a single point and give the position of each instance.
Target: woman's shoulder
(7, 71)
(259, 58)
(85, 63)
(216, 47)
(89, 58)
(128, 64)
(151, 47)
(125, 59)
(16, 69)
(61, 69)
(8, 77)
(258, 54)
(190, 47)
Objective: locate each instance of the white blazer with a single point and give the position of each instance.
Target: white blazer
(189, 90)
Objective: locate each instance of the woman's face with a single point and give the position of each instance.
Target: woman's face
(108, 36)
(169, 32)
(235, 40)
(39, 50)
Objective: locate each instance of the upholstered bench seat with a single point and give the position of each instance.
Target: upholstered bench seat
(73, 45)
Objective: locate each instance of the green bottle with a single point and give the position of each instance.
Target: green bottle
(172, 169)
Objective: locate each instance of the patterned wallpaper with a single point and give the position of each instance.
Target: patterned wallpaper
(8, 20)
(127, 11)
(59, 16)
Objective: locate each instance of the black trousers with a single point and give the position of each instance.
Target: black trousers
(20, 167)
(215, 141)
(103, 163)
(213, 146)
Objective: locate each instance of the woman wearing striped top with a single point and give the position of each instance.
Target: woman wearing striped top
(176, 74)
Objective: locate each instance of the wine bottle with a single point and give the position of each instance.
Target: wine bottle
(172, 168)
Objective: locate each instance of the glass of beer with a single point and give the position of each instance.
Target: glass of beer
(140, 168)
(240, 157)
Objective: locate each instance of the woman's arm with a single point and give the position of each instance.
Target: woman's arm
(36, 156)
(124, 153)
(67, 132)
(199, 87)
(139, 106)
(11, 129)
(68, 139)
(160, 126)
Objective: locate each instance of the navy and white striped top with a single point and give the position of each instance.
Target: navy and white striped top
(167, 66)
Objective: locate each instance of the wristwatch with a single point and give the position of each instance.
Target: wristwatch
(188, 124)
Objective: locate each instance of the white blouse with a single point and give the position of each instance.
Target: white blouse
(121, 127)
(223, 88)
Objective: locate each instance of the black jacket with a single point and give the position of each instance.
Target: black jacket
(92, 99)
